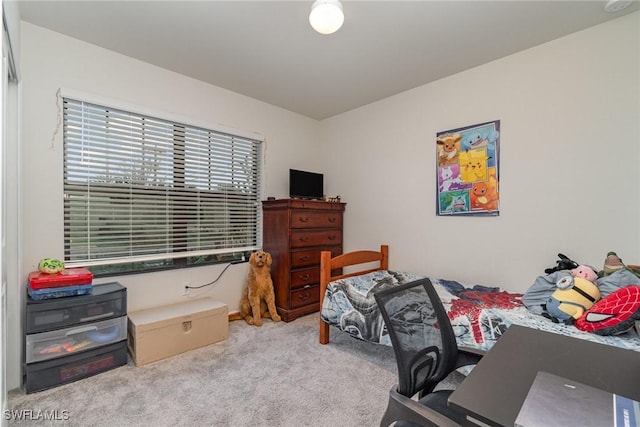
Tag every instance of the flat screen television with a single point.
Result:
(305, 185)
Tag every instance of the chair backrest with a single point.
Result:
(421, 335)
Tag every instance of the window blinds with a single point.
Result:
(139, 188)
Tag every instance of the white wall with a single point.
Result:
(570, 144)
(51, 61)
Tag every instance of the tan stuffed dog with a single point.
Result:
(258, 298)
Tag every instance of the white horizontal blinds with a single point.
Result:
(141, 188)
(223, 171)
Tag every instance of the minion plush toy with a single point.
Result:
(575, 294)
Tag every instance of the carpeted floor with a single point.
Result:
(276, 375)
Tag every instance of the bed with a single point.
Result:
(479, 314)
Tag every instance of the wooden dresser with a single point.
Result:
(294, 233)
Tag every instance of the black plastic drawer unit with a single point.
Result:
(106, 302)
(71, 338)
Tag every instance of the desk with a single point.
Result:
(496, 388)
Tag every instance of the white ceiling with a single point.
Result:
(268, 51)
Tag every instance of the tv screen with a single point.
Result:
(306, 185)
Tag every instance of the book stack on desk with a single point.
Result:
(556, 401)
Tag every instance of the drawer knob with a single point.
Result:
(303, 257)
(304, 239)
(99, 316)
(81, 330)
(332, 219)
(304, 277)
(332, 237)
(304, 296)
(305, 219)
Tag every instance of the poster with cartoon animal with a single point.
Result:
(468, 179)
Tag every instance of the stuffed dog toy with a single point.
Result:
(258, 298)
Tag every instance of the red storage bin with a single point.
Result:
(67, 277)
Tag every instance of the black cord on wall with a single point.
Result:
(238, 261)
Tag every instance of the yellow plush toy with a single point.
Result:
(575, 294)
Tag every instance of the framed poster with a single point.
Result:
(468, 170)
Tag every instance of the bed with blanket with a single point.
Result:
(479, 314)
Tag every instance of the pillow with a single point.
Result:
(614, 314)
(538, 294)
(615, 281)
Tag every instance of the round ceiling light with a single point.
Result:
(326, 16)
(614, 6)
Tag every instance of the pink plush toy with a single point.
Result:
(585, 272)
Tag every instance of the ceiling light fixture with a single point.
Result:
(614, 6)
(326, 16)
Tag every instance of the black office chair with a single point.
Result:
(426, 353)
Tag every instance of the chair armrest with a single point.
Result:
(419, 413)
(472, 350)
(468, 357)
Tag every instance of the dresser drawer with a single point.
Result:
(301, 218)
(301, 258)
(62, 342)
(308, 238)
(306, 276)
(305, 296)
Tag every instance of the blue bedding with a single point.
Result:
(479, 314)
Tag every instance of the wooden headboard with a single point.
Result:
(329, 265)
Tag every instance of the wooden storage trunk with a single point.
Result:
(166, 331)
